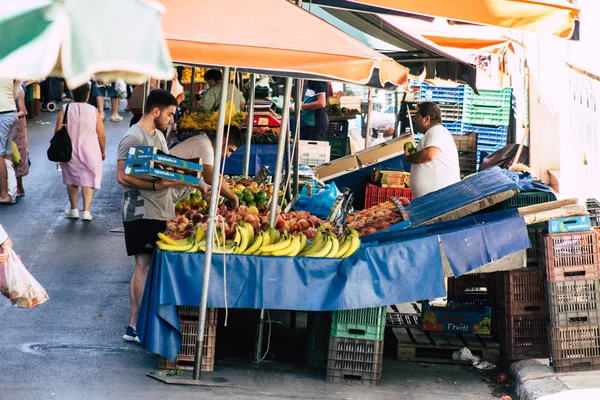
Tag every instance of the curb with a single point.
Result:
(534, 378)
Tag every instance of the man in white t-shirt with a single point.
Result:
(435, 164)
(201, 146)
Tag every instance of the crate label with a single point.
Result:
(477, 322)
(570, 224)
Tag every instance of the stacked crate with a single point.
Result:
(593, 207)
(356, 346)
(337, 136)
(573, 267)
(317, 338)
(466, 145)
(521, 314)
(188, 321)
(487, 113)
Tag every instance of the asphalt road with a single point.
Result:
(71, 346)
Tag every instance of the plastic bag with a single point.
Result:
(317, 201)
(12, 181)
(18, 285)
(121, 89)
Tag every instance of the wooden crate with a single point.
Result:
(438, 347)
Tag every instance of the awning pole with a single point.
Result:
(212, 212)
(369, 111)
(250, 124)
(396, 116)
(285, 118)
(298, 103)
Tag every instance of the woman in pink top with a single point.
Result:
(86, 131)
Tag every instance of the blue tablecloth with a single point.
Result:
(392, 269)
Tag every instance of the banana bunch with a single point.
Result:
(191, 244)
(326, 244)
(273, 243)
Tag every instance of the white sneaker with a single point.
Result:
(74, 213)
(86, 216)
(116, 118)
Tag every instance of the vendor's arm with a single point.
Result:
(207, 173)
(5, 244)
(321, 102)
(426, 155)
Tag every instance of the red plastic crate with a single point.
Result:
(376, 195)
(572, 256)
(522, 292)
(523, 336)
(188, 320)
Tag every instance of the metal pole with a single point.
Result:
(146, 93)
(250, 124)
(192, 82)
(212, 212)
(298, 97)
(396, 116)
(369, 111)
(285, 117)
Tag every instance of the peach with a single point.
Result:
(189, 214)
(189, 227)
(303, 214)
(280, 224)
(230, 218)
(183, 220)
(304, 225)
(181, 227)
(264, 226)
(243, 210)
(250, 218)
(187, 234)
(254, 224)
(197, 218)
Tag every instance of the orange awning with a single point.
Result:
(272, 36)
(556, 17)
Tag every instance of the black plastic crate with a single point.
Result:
(536, 254)
(593, 207)
(338, 129)
(523, 336)
(317, 339)
(355, 360)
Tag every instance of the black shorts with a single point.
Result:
(140, 235)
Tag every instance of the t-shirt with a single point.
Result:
(209, 102)
(198, 146)
(317, 118)
(7, 95)
(3, 235)
(139, 203)
(439, 173)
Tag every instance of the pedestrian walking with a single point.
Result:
(84, 171)
(19, 136)
(8, 119)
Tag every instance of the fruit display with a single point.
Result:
(186, 75)
(266, 241)
(201, 122)
(265, 135)
(336, 110)
(376, 218)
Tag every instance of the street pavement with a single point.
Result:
(71, 346)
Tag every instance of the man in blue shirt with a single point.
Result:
(313, 118)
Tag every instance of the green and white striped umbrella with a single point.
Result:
(76, 39)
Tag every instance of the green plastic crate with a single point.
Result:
(482, 115)
(338, 147)
(317, 343)
(489, 98)
(525, 199)
(362, 323)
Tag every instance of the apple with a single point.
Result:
(280, 224)
(295, 227)
(197, 218)
(189, 214)
(189, 227)
(264, 226)
(183, 220)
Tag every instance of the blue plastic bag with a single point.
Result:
(525, 182)
(320, 201)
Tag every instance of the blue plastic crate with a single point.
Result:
(455, 128)
(489, 98)
(487, 149)
(442, 94)
(488, 135)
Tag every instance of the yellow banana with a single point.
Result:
(256, 245)
(316, 239)
(355, 244)
(282, 244)
(274, 234)
(238, 236)
(228, 249)
(335, 246)
(250, 231)
(195, 247)
(344, 246)
(245, 240)
(302, 242)
(316, 243)
(266, 238)
(294, 245)
(198, 234)
(167, 240)
(323, 251)
(175, 248)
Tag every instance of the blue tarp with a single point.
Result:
(453, 197)
(388, 270)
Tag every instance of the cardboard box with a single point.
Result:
(149, 153)
(383, 151)
(460, 319)
(338, 167)
(150, 170)
(570, 224)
